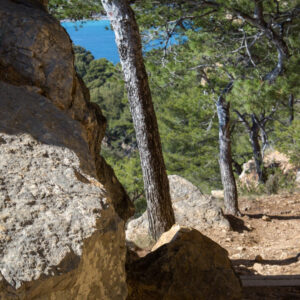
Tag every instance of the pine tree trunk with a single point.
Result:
(254, 138)
(291, 108)
(264, 142)
(225, 158)
(156, 184)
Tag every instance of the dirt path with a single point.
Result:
(263, 244)
(265, 241)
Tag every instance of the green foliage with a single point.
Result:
(128, 170)
(254, 95)
(272, 184)
(277, 182)
(288, 140)
(186, 80)
(99, 72)
(74, 9)
(201, 65)
(187, 120)
(106, 86)
(83, 59)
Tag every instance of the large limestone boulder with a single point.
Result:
(36, 53)
(62, 208)
(183, 265)
(191, 209)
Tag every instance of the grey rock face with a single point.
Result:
(61, 206)
(36, 52)
(191, 209)
(47, 207)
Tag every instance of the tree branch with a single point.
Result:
(259, 22)
(243, 119)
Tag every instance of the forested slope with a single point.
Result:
(187, 120)
(246, 52)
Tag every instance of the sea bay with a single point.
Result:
(95, 36)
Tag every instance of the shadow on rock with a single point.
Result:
(185, 265)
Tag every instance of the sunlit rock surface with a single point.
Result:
(191, 208)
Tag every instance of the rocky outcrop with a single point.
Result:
(272, 160)
(60, 235)
(191, 208)
(36, 52)
(184, 265)
(218, 194)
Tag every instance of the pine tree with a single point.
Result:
(159, 206)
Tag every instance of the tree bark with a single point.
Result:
(291, 108)
(264, 141)
(225, 158)
(253, 130)
(156, 184)
(258, 159)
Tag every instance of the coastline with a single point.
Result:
(97, 17)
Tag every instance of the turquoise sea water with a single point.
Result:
(95, 36)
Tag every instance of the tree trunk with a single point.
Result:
(156, 184)
(264, 140)
(225, 158)
(291, 108)
(254, 138)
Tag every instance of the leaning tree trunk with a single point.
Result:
(156, 184)
(225, 158)
(258, 159)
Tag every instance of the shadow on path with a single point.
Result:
(259, 216)
(237, 224)
(273, 262)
